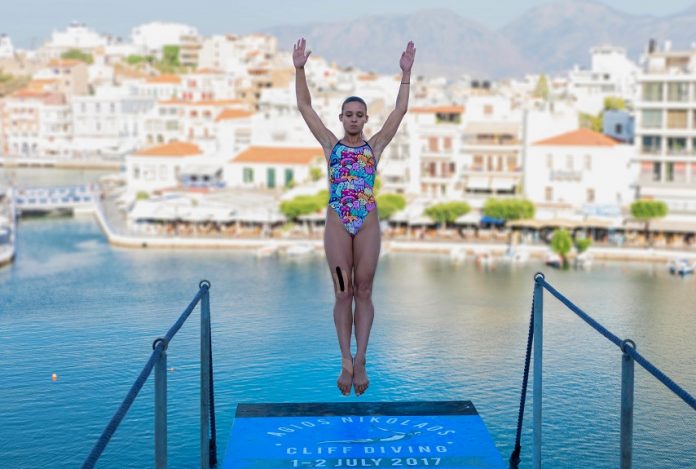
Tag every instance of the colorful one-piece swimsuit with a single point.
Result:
(351, 183)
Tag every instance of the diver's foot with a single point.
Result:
(360, 381)
(345, 379)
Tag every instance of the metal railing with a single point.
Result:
(158, 361)
(628, 357)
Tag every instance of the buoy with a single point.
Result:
(54, 377)
(171, 369)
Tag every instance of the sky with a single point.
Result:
(29, 23)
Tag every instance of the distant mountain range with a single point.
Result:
(549, 38)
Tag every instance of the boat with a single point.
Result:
(583, 260)
(458, 255)
(516, 256)
(300, 249)
(267, 250)
(553, 260)
(681, 267)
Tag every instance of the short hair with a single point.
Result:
(353, 99)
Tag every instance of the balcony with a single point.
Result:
(568, 175)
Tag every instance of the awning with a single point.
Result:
(528, 223)
(486, 220)
(478, 182)
(504, 184)
(559, 223)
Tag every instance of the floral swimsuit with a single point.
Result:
(351, 184)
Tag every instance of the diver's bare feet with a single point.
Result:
(345, 379)
(360, 381)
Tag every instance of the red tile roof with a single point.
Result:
(579, 138)
(438, 110)
(174, 148)
(279, 155)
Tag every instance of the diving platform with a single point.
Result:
(444, 434)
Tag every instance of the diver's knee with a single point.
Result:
(363, 290)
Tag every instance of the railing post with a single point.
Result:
(161, 406)
(538, 348)
(627, 405)
(205, 377)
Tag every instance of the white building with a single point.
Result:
(159, 167)
(6, 48)
(579, 171)
(150, 38)
(611, 74)
(109, 122)
(273, 167)
(666, 130)
(76, 36)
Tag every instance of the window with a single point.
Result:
(248, 175)
(656, 171)
(618, 129)
(676, 145)
(652, 91)
(488, 109)
(432, 143)
(652, 119)
(549, 161)
(163, 172)
(678, 91)
(588, 162)
(590, 196)
(569, 162)
(652, 144)
(669, 172)
(289, 176)
(270, 178)
(136, 171)
(448, 143)
(548, 194)
(676, 119)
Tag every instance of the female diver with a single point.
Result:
(352, 234)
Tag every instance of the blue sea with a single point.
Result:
(75, 306)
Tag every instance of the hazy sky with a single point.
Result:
(30, 22)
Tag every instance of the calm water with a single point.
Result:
(75, 306)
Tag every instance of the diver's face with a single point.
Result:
(353, 117)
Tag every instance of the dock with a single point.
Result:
(445, 434)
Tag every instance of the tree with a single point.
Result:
(304, 204)
(509, 209)
(561, 244)
(77, 54)
(614, 103)
(645, 210)
(588, 121)
(388, 204)
(315, 174)
(137, 59)
(542, 88)
(447, 212)
(170, 55)
(581, 245)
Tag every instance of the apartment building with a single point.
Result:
(666, 129)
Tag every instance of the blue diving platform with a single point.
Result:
(444, 434)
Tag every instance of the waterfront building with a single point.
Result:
(232, 54)
(234, 129)
(108, 122)
(6, 47)
(159, 167)
(580, 172)
(666, 130)
(273, 167)
(35, 123)
(150, 38)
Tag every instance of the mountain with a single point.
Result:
(558, 35)
(550, 38)
(446, 44)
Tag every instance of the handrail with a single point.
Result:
(628, 356)
(158, 360)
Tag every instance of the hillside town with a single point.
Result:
(208, 139)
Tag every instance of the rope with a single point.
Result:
(213, 432)
(515, 456)
(105, 437)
